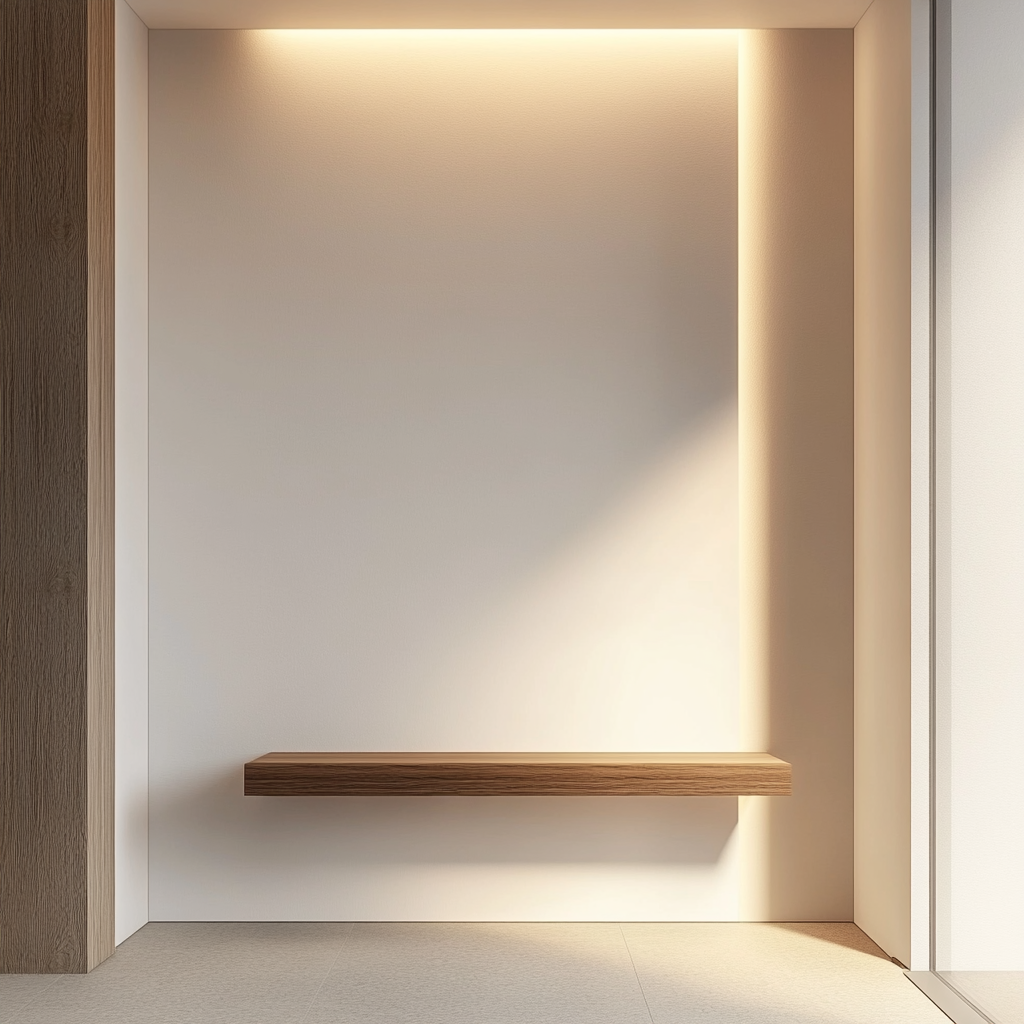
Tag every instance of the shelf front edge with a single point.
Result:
(340, 774)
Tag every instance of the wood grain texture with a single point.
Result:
(50, 721)
(497, 774)
(100, 682)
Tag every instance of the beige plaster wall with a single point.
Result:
(796, 462)
(882, 520)
(443, 456)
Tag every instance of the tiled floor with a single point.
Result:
(480, 973)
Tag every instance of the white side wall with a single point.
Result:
(444, 456)
(882, 488)
(892, 492)
(981, 901)
(131, 453)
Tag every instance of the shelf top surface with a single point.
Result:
(742, 759)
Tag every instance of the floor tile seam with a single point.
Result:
(636, 974)
(329, 972)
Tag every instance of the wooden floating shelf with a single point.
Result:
(302, 774)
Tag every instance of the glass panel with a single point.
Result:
(979, 780)
(999, 995)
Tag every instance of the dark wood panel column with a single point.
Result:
(56, 485)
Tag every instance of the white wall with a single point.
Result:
(981, 898)
(131, 454)
(892, 561)
(882, 517)
(443, 440)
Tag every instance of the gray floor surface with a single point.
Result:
(480, 973)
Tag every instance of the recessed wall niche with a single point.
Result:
(444, 456)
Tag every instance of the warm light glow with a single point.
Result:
(489, 38)
(541, 84)
(505, 33)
